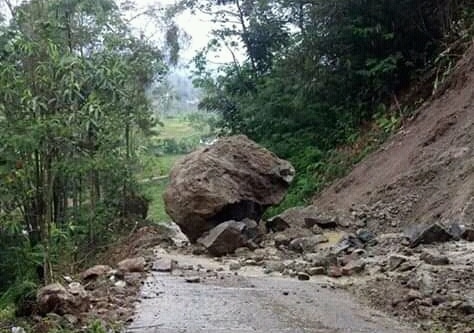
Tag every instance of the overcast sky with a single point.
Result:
(197, 27)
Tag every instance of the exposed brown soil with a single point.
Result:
(422, 174)
(425, 172)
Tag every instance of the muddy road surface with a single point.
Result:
(203, 296)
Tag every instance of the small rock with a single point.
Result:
(434, 258)
(406, 266)
(276, 224)
(321, 221)
(302, 276)
(316, 270)
(468, 234)
(286, 293)
(17, 329)
(395, 260)
(315, 229)
(334, 271)
(71, 319)
(193, 279)
(467, 307)
(234, 266)
(241, 251)
(274, 266)
(413, 295)
(132, 265)
(120, 284)
(250, 262)
(163, 265)
(320, 259)
(365, 235)
(306, 244)
(198, 249)
(427, 234)
(353, 267)
(95, 272)
(281, 239)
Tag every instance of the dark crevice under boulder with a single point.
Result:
(232, 179)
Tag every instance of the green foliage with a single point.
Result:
(73, 115)
(308, 90)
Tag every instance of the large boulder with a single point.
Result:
(232, 179)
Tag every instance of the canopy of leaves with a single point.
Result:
(73, 81)
(316, 70)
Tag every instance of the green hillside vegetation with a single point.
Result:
(321, 84)
(319, 75)
(175, 137)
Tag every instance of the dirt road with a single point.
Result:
(249, 302)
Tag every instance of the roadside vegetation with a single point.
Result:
(324, 82)
(321, 84)
(176, 136)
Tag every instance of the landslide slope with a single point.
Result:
(423, 173)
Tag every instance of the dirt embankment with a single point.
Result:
(425, 172)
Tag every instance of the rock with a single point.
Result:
(193, 279)
(321, 259)
(334, 271)
(281, 239)
(461, 231)
(295, 216)
(276, 224)
(467, 307)
(395, 260)
(252, 232)
(17, 329)
(434, 258)
(306, 244)
(225, 238)
(468, 234)
(427, 234)
(232, 179)
(198, 249)
(406, 266)
(365, 236)
(115, 274)
(120, 284)
(302, 276)
(54, 298)
(234, 266)
(321, 221)
(95, 272)
(353, 267)
(76, 289)
(348, 243)
(132, 265)
(274, 266)
(413, 295)
(319, 270)
(242, 251)
(163, 265)
(315, 229)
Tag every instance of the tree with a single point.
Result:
(315, 71)
(73, 81)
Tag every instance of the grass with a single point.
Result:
(178, 128)
(154, 188)
(156, 167)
